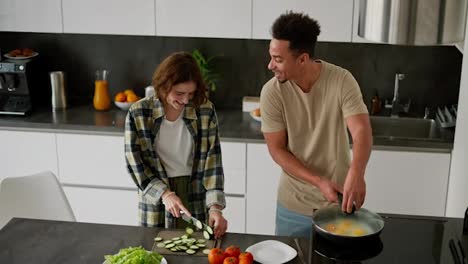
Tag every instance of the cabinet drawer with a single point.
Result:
(235, 214)
(24, 153)
(234, 167)
(92, 160)
(105, 206)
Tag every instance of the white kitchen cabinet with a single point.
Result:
(31, 16)
(263, 176)
(109, 17)
(106, 206)
(235, 214)
(204, 18)
(412, 183)
(25, 153)
(233, 155)
(334, 16)
(93, 160)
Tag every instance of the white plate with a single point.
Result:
(257, 118)
(272, 252)
(163, 261)
(21, 58)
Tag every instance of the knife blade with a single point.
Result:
(191, 220)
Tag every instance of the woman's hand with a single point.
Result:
(173, 204)
(217, 221)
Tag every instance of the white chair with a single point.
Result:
(38, 196)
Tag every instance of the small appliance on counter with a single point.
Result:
(15, 81)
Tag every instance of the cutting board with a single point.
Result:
(169, 234)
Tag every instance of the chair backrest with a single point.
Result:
(38, 196)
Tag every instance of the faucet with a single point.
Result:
(396, 106)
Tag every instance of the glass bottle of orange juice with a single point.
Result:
(101, 100)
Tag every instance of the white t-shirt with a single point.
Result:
(174, 145)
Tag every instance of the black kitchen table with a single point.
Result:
(43, 241)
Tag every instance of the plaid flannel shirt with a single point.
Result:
(144, 165)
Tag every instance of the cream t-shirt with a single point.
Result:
(316, 130)
(174, 145)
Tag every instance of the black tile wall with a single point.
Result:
(432, 73)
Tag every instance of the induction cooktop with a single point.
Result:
(404, 239)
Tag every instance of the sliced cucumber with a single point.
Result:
(169, 245)
(200, 245)
(188, 230)
(157, 239)
(194, 247)
(209, 229)
(160, 245)
(185, 236)
(183, 248)
(201, 241)
(175, 238)
(167, 242)
(190, 251)
(174, 249)
(206, 251)
(206, 235)
(198, 224)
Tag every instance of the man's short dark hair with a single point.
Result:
(299, 29)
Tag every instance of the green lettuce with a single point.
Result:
(134, 255)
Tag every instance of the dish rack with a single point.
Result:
(447, 116)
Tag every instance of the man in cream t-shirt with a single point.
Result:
(306, 110)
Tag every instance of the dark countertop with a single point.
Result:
(46, 241)
(42, 241)
(235, 126)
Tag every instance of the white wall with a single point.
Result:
(457, 198)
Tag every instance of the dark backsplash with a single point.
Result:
(432, 73)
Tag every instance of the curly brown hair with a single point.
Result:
(299, 29)
(179, 67)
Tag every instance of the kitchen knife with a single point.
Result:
(192, 220)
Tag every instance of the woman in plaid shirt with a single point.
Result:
(172, 149)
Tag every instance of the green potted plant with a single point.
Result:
(206, 67)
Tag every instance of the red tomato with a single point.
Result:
(231, 260)
(246, 258)
(232, 251)
(216, 256)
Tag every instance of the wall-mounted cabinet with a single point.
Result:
(31, 16)
(334, 16)
(204, 18)
(109, 17)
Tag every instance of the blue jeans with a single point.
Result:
(289, 223)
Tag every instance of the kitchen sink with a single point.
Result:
(411, 128)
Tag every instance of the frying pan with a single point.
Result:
(335, 225)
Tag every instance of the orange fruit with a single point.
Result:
(132, 97)
(256, 112)
(120, 97)
(129, 91)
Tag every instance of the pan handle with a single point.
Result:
(340, 201)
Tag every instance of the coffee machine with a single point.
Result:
(15, 81)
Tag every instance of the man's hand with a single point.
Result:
(354, 191)
(173, 204)
(329, 190)
(219, 223)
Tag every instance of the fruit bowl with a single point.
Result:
(123, 105)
